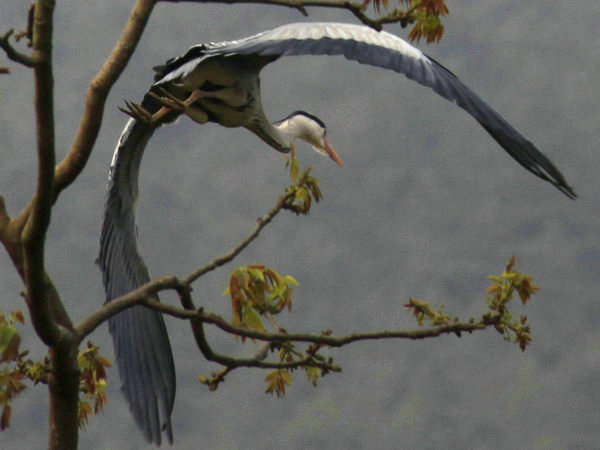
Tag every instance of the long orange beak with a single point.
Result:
(331, 152)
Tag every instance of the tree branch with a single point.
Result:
(42, 299)
(33, 235)
(74, 162)
(309, 357)
(24, 237)
(13, 54)
(218, 377)
(339, 341)
(404, 17)
(261, 222)
(258, 360)
(135, 297)
(141, 296)
(182, 286)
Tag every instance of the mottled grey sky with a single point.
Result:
(427, 205)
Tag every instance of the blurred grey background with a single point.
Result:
(427, 205)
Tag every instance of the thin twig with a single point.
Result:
(135, 297)
(13, 54)
(324, 338)
(182, 286)
(274, 323)
(261, 223)
(339, 341)
(403, 17)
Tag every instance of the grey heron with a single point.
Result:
(219, 82)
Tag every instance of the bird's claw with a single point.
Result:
(138, 112)
(171, 107)
(168, 100)
(167, 94)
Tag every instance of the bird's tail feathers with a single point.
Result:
(140, 338)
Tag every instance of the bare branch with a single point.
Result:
(260, 224)
(404, 17)
(13, 54)
(100, 86)
(135, 297)
(27, 245)
(10, 233)
(27, 33)
(183, 287)
(339, 341)
(217, 378)
(274, 323)
(33, 235)
(201, 317)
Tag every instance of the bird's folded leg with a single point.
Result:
(168, 100)
(170, 104)
(189, 106)
(138, 112)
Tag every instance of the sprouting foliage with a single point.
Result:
(256, 290)
(10, 373)
(423, 311)
(500, 293)
(425, 14)
(277, 380)
(304, 188)
(15, 368)
(92, 382)
(429, 25)
(302, 193)
(259, 292)
(503, 286)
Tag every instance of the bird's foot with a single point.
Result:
(171, 106)
(137, 111)
(168, 100)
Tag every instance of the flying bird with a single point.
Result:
(219, 82)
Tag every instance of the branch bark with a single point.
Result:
(199, 317)
(75, 160)
(12, 53)
(404, 17)
(64, 377)
(24, 236)
(33, 235)
(325, 339)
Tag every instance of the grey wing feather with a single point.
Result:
(140, 339)
(381, 49)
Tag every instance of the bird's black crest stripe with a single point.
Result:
(306, 114)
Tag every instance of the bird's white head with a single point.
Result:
(309, 128)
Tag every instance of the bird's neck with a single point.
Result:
(277, 135)
(287, 131)
(285, 135)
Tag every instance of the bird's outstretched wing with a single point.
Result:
(381, 49)
(140, 339)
